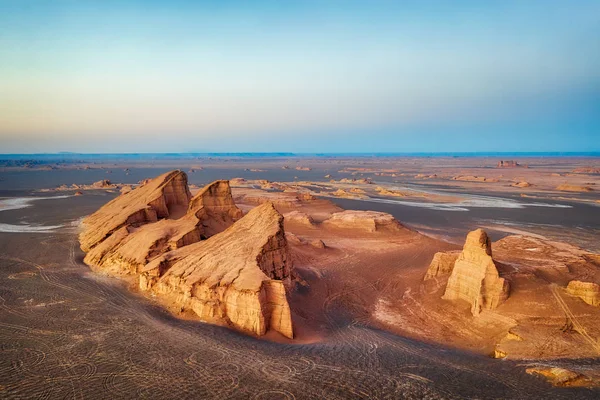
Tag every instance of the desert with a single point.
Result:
(377, 286)
(288, 200)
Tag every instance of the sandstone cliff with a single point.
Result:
(238, 276)
(587, 291)
(474, 277)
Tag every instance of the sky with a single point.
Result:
(299, 76)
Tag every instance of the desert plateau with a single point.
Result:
(197, 276)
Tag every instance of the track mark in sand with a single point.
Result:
(576, 324)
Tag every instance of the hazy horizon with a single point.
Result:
(300, 77)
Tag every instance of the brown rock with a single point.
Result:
(369, 221)
(298, 217)
(559, 376)
(521, 184)
(475, 278)
(573, 188)
(237, 276)
(104, 183)
(442, 264)
(587, 291)
(160, 198)
(210, 211)
(508, 164)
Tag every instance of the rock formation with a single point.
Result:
(559, 376)
(210, 211)
(369, 221)
(238, 276)
(299, 217)
(159, 198)
(474, 277)
(507, 164)
(573, 188)
(587, 291)
(442, 264)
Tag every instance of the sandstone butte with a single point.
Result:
(236, 276)
(474, 277)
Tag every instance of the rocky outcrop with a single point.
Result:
(300, 218)
(587, 291)
(475, 278)
(238, 276)
(508, 164)
(442, 264)
(210, 211)
(521, 184)
(573, 188)
(367, 221)
(559, 376)
(162, 197)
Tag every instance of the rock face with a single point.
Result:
(475, 278)
(442, 264)
(210, 211)
(238, 276)
(587, 291)
(157, 232)
(162, 197)
(368, 221)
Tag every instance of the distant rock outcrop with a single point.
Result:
(369, 221)
(508, 164)
(573, 188)
(158, 232)
(587, 291)
(475, 278)
(238, 276)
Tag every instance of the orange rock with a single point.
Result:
(442, 264)
(587, 291)
(238, 276)
(475, 278)
(369, 221)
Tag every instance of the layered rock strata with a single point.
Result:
(475, 278)
(239, 275)
(190, 252)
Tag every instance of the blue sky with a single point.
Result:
(309, 76)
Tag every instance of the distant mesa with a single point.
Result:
(473, 277)
(508, 164)
(365, 221)
(196, 253)
(303, 168)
